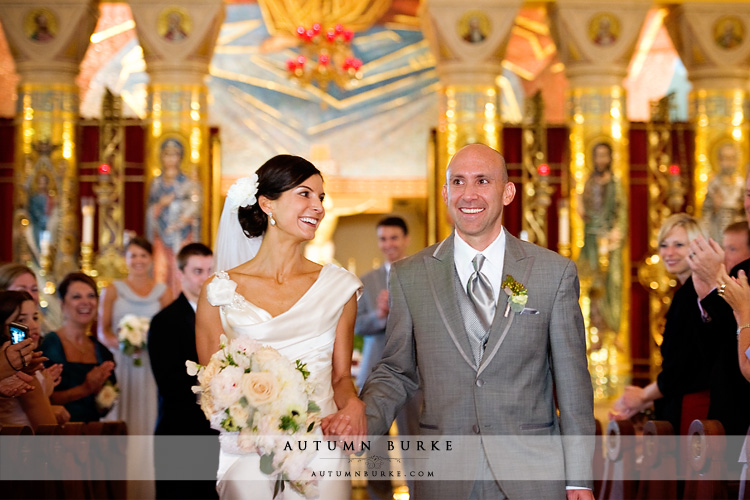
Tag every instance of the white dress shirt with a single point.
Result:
(494, 255)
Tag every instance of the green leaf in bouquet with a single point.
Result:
(302, 367)
(137, 362)
(311, 427)
(266, 463)
(230, 360)
(278, 486)
(312, 407)
(288, 423)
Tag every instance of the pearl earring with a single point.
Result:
(271, 219)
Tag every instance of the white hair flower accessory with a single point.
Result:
(242, 193)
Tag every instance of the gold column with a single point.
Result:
(178, 43)
(469, 45)
(536, 191)
(110, 191)
(48, 43)
(712, 40)
(595, 42)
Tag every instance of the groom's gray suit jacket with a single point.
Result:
(531, 362)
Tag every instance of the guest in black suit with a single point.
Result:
(171, 342)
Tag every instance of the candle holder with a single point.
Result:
(87, 235)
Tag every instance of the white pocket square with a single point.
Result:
(528, 310)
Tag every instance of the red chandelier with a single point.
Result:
(326, 57)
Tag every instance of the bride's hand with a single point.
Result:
(349, 423)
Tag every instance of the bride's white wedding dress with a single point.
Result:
(306, 332)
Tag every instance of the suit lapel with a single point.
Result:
(518, 265)
(440, 273)
(188, 319)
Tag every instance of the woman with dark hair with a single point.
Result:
(22, 278)
(87, 364)
(32, 408)
(17, 277)
(268, 291)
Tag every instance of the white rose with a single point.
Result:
(265, 359)
(225, 387)
(240, 415)
(259, 388)
(209, 372)
(106, 396)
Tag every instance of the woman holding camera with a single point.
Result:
(18, 310)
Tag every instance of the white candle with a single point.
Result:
(87, 237)
(564, 225)
(44, 243)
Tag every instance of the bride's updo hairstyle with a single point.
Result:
(280, 173)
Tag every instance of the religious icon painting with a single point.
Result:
(41, 25)
(174, 24)
(174, 206)
(729, 32)
(604, 29)
(474, 26)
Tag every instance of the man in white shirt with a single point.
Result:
(490, 328)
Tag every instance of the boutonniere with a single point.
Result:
(517, 293)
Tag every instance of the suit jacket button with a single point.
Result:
(480, 382)
(475, 428)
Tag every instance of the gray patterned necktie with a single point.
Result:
(480, 292)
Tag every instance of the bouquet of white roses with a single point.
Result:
(107, 397)
(262, 401)
(132, 332)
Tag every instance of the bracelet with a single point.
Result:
(742, 327)
(8, 360)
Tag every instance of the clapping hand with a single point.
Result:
(52, 377)
(705, 259)
(98, 375)
(736, 291)
(15, 385)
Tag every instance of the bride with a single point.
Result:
(265, 289)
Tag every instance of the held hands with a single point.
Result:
(580, 495)
(97, 376)
(347, 424)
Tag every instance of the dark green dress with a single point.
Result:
(74, 374)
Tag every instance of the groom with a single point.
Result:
(485, 369)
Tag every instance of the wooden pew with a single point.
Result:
(619, 466)
(15, 461)
(706, 470)
(658, 475)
